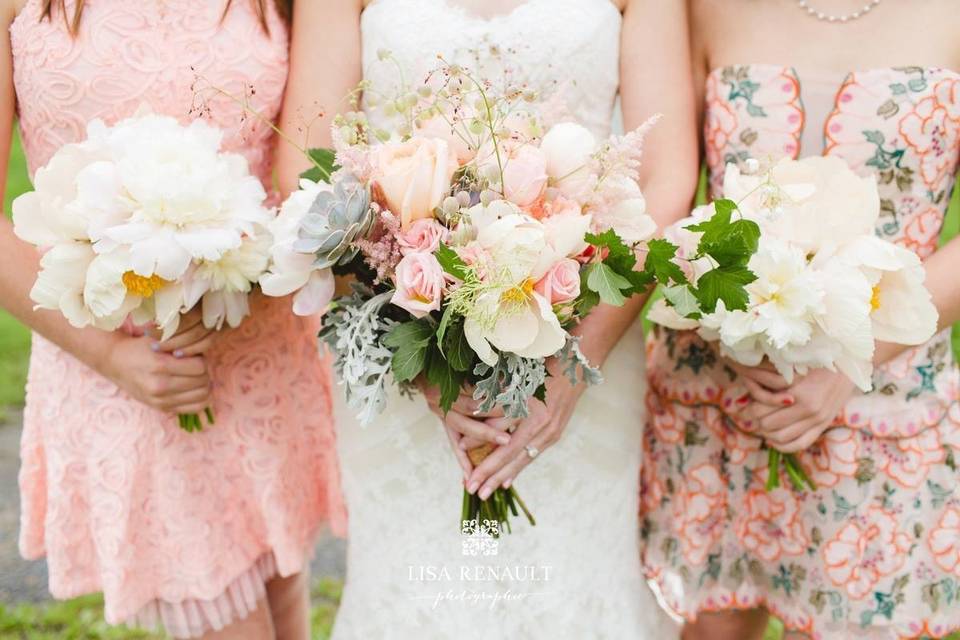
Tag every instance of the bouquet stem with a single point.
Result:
(191, 422)
(501, 504)
(791, 466)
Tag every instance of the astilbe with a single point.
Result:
(618, 165)
(382, 251)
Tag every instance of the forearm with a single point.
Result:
(19, 263)
(944, 286)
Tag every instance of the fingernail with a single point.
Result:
(744, 399)
(473, 487)
(788, 402)
(485, 493)
(507, 483)
(503, 439)
(178, 353)
(747, 425)
(155, 346)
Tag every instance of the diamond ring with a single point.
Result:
(532, 451)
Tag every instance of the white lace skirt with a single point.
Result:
(577, 574)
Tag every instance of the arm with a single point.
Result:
(179, 385)
(325, 66)
(655, 78)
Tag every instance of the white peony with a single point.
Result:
(629, 220)
(568, 148)
(293, 272)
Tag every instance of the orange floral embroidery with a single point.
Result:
(833, 457)
(908, 460)
(864, 551)
(769, 524)
(699, 512)
(934, 119)
(924, 222)
(944, 541)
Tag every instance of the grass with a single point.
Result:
(82, 619)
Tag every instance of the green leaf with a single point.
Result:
(413, 332)
(724, 283)
(409, 342)
(440, 374)
(324, 164)
(456, 348)
(659, 262)
(451, 262)
(682, 299)
(737, 245)
(622, 259)
(587, 299)
(607, 283)
(611, 241)
(541, 393)
(444, 323)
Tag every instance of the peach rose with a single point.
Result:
(440, 128)
(419, 281)
(423, 235)
(524, 176)
(414, 176)
(561, 283)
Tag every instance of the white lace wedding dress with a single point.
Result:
(576, 575)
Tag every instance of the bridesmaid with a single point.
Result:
(208, 534)
(875, 551)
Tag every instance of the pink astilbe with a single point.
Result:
(382, 251)
(618, 167)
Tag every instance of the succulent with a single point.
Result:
(336, 219)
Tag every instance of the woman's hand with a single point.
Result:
(536, 433)
(792, 417)
(176, 385)
(465, 427)
(191, 339)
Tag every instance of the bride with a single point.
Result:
(576, 574)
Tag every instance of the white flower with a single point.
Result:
(629, 220)
(183, 199)
(530, 329)
(293, 272)
(663, 314)
(59, 285)
(568, 148)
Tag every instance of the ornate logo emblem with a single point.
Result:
(480, 537)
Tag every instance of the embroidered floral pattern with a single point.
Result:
(878, 544)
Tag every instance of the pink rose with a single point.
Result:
(440, 127)
(524, 175)
(419, 281)
(415, 176)
(561, 284)
(423, 235)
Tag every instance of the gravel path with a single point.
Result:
(22, 581)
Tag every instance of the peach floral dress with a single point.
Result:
(875, 551)
(176, 529)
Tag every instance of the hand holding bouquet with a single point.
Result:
(826, 288)
(479, 235)
(144, 220)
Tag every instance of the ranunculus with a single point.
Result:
(423, 235)
(567, 148)
(524, 175)
(562, 282)
(415, 176)
(419, 280)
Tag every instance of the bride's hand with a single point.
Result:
(466, 429)
(541, 429)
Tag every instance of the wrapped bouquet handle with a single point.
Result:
(501, 504)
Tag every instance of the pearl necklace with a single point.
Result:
(826, 17)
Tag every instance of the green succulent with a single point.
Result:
(335, 220)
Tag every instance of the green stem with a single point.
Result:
(773, 470)
(793, 464)
(523, 507)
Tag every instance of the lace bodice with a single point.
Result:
(170, 54)
(567, 45)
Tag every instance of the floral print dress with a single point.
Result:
(875, 551)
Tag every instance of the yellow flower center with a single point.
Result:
(519, 294)
(141, 285)
(875, 298)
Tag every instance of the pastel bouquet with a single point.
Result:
(826, 288)
(479, 235)
(144, 220)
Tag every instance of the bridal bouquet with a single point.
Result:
(826, 287)
(144, 220)
(479, 235)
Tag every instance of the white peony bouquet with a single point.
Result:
(826, 289)
(144, 220)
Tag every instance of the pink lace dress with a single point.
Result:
(875, 551)
(176, 529)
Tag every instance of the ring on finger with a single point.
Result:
(532, 451)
